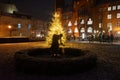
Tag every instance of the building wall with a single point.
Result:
(82, 10)
(20, 27)
(86, 9)
(103, 11)
(14, 23)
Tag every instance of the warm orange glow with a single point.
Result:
(56, 15)
(9, 26)
(76, 30)
(56, 28)
(118, 32)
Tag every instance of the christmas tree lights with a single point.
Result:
(56, 28)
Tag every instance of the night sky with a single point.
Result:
(41, 9)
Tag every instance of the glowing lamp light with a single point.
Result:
(9, 27)
(118, 32)
(103, 31)
(100, 25)
(38, 35)
(95, 31)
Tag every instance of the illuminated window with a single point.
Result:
(75, 23)
(109, 16)
(83, 35)
(76, 30)
(82, 30)
(19, 25)
(90, 22)
(118, 15)
(69, 30)
(118, 32)
(82, 22)
(100, 25)
(29, 26)
(109, 26)
(69, 23)
(109, 8)
(103, 31)
(95, 31)
(118, 7)
(90, 30)
(114, 8)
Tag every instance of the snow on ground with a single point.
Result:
(108, 64)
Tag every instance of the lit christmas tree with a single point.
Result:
(56, 28)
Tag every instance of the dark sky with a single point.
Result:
(37, 8)
(41, 9)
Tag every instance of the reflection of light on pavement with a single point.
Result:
(27, 44)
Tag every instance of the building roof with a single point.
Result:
(8, 8)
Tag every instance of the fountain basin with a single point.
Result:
(41, 60)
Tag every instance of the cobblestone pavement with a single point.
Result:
(108, 64)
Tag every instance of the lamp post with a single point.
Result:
(9, 27)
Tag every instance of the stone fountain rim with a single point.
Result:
(25, 56)
(23, 62)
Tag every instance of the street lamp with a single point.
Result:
(9, 27)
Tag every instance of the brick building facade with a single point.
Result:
(93, 18)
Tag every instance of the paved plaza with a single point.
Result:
(108, 63)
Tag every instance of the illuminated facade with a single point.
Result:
(91, 17)
(107, 18)
(78, 20)
(16, 24)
